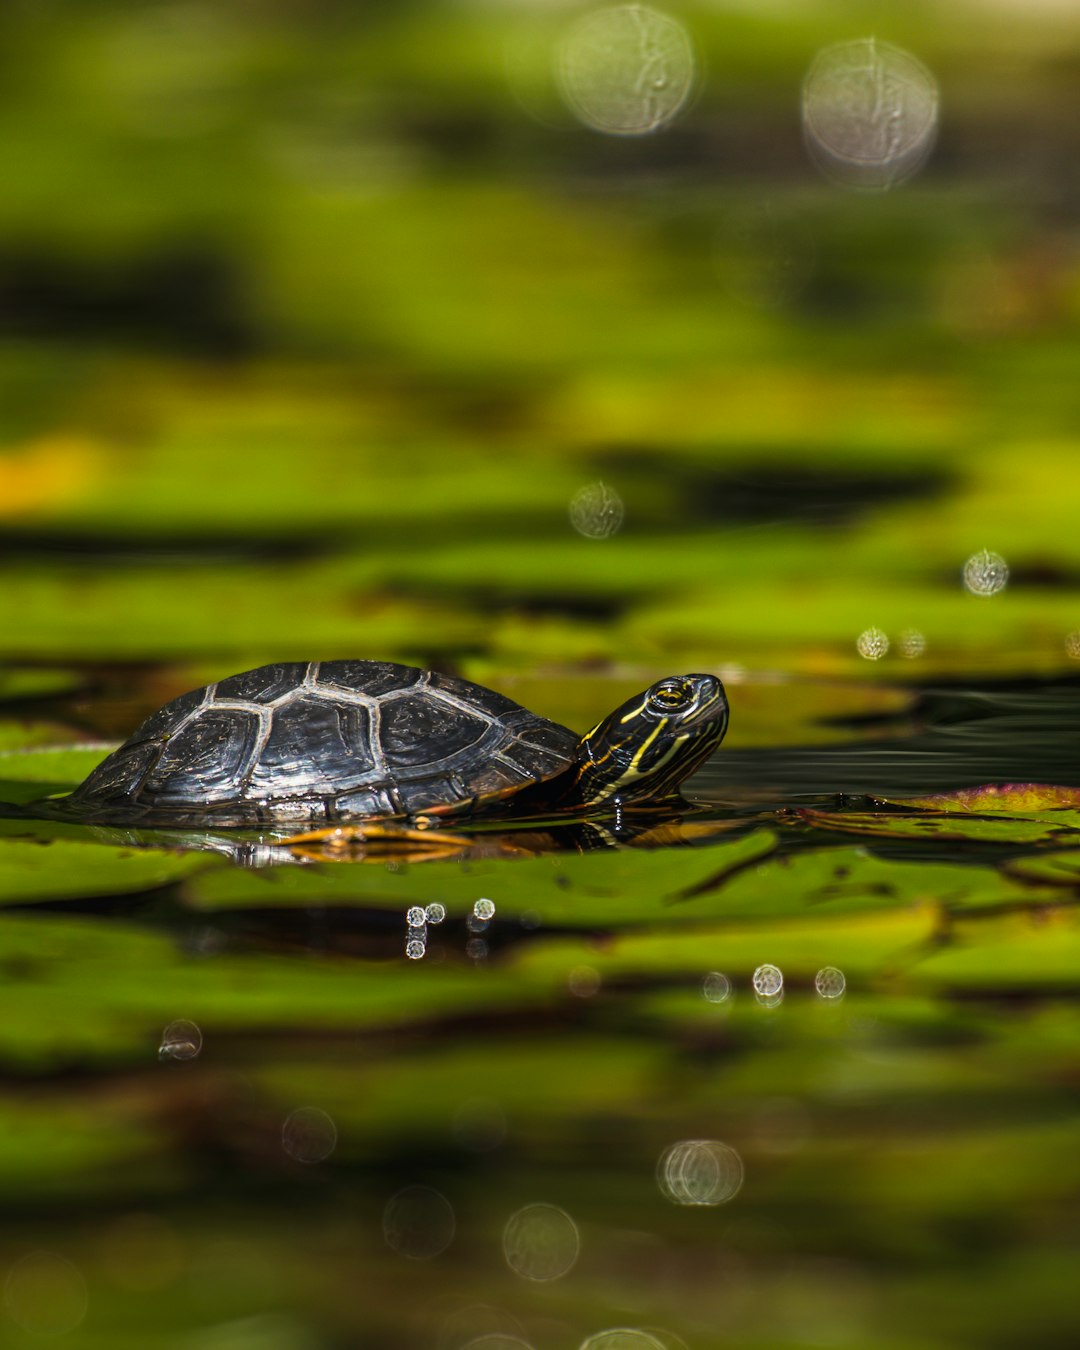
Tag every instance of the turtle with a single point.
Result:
(306, 744)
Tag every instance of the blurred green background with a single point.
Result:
(315, 317)
(320, 325)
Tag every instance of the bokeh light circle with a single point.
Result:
(45, 1294)
(309, 1135)
(872, 644)
(768, 981)
(627, 70)
(541, 1243)
(699, 1172)
(419, 1223)
(869, 113)
(622, 1338)
(986, 573)
(716, 987)
(597, 511)
(830, 982)
(181, 1039)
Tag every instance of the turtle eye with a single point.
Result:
(670, 696)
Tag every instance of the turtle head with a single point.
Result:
(644, 750)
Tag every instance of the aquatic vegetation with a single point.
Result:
(531, 346)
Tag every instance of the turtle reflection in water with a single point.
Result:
(375, 750)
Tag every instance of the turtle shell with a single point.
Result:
(324, 741)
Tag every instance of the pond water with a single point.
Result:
(803, 1076)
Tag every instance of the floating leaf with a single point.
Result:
(60, 869)
(613, 889)
(28, 682)
(48, 764)
(944, 827)
(1017, 799)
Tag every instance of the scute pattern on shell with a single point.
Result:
(324, 742)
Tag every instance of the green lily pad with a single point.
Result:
(1014, 955)
(92, 992)
(61, 869)
(1051, 869)
(30, 774)
(23, 682)
(867, 947)
(47, 764)
(195, 612)
(607, 889)
(16, 736)
(946, 827)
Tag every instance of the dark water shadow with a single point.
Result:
(961, 737)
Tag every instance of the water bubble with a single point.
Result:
(716, 987)
(480, 1124)
(872, 644)
(830, 983)
(309, 1135)
(627, 70)
(541, 1243)
(476, 949)
(418, 1222)
(869, 113)
(912, 644)
(484, 909)
(435, 913)
(768, 981)
(416, 932)
(45, 1294)
(596, 511)
(622, 1338)
(986, 573)
(699, 1172)
(180, 1040)
(583, 981)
